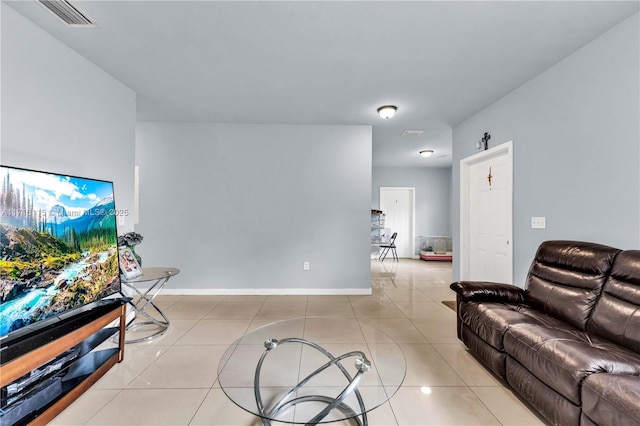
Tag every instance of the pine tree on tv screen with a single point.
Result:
(58, 245)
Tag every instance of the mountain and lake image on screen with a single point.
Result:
(58, 245)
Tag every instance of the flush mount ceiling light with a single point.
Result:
(426, 153)
(387, 111)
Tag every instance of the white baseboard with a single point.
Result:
(265, 291)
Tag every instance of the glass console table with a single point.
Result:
(312, 370)
(147, 313)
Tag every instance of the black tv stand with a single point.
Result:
(76, 333)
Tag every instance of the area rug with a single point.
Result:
(450, 304)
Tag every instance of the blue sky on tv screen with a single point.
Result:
(75, 194)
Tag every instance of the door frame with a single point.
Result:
(412, 231)
(505, 149)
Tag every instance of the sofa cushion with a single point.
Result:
(563, 357)
(586, 421)
(566, 278)
(490, 320)
(616, 315)
(612, 399)
(494, 359)
(556, 409)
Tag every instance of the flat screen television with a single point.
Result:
(58, 246)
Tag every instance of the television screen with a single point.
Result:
(58, 245)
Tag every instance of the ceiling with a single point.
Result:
(331, 62)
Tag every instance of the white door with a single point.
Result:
(397, 204)
(486, 213)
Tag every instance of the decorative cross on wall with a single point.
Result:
(485, 140)
(489, 177)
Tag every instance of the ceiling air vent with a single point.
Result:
(68, 13)
(412, 132)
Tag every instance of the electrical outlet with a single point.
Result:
(305, 266)
(539, 222)
(121, 220)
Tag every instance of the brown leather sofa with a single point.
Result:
(569, 342)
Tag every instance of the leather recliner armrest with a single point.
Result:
(488, 291)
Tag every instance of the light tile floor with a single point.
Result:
(172, 379)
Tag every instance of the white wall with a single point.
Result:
(61, 113)
(433, 196)
(239, 208)
(576, 138)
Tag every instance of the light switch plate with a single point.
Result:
(539, 222)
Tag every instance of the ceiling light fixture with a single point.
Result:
(387, 111)
(426, 153)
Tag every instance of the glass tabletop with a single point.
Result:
(154, 273)
(312, 370)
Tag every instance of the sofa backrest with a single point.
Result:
(616, 315)
(566, 278)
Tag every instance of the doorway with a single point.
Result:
(398, 205)
(486, 215)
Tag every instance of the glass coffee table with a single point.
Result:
(312, 371)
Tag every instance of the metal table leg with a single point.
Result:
(144, 308)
